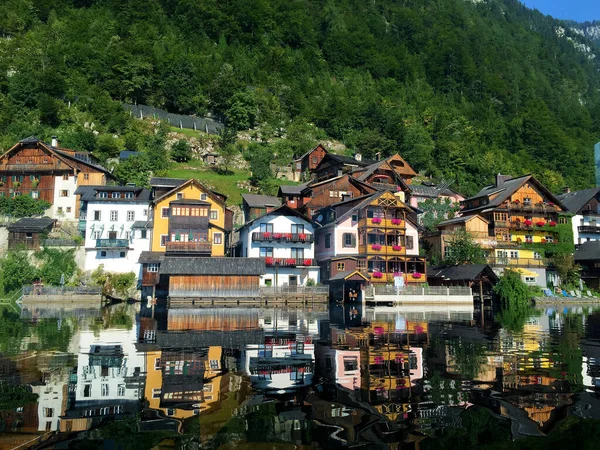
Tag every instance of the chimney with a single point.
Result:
(500, 179)
(358, 157)
(54, 141)
(566, 190)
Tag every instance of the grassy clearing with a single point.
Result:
(186, 131)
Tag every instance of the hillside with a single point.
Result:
(462, 89)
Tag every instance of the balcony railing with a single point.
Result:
(538, 207)
(189, 247)
(282, 237)
(516, 262)
(112, 243)
(290, 262)
(590, 212)
(376, 249)
(589, 229)
(389, 277)
(380, 222)
(272, 291)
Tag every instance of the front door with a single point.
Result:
(293, 282)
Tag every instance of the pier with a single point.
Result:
(389, 294)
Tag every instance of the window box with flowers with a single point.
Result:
(376, 220)
(417, 275)
(267, 235)
(552, 224)
(376, 247)
(544, 241)
(377, 274)
(396, 222)
(397, 248)
(269, 261)
(307, 262)
(528, 223)
(276, 236)
(288, 236)
(397, 274)
(516, 202)
(540, 223)
(302, 237)
(290, 262)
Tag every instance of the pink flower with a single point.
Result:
(307, 262)
(376, 220)
(376, 247)
(396, 221)
(540, 223)
(377, 274)
(416, 275)
(397, 248)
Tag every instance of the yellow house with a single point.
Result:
(190, 219)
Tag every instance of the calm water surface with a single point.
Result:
(270, 378)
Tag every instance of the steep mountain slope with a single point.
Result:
(462, 90)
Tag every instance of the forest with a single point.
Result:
(461, 89)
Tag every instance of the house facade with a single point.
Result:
(189, 219)
(113, 222)
(522, 216)
(475, 225)
(585, 207)
(375, 234)
(255, 205)
(392, 173)
(47, 172)
(285, 239)
(308, 162)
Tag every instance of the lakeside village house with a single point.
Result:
(353, 219)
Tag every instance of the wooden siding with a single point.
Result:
(212, 285)
(20, 240)
(229, 321)
(321, 195)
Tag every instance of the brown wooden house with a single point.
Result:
(392, 173)
(48, 172)
(28, 233)
(308, 162)
(336, 165)
(255, 205)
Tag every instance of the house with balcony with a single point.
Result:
(393, 174)
(478, 228)
(585, 207)
(114, 222)
(51, 173)
(375, 234)
(285, 239)
(523, 216)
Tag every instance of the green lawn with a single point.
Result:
(187, 131)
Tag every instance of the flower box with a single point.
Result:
(376, 247)
(396, 221)
(416, 275)
(397, 248)
(516, 202)
(397, 274)
(377, 275)
(540, 223)
(376, 220)
(528, 223)
(267, 235)
(290, 262)
(307, 262)
(269, 261)
(288, 236)
(552, 224)
(302, 236)
(276, 235)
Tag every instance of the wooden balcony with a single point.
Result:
(382, 250)
(112, 243)
(390, 224)
(290, 262)
(516, 262)
(389, 278)
(529, 207)
(189, 247)
(304, 238)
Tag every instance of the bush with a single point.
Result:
(56, 263)
(181, 151)
(113, 284)
(16, 271)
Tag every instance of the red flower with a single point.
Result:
(528, 222)
(552, 224)
(288, 236)
(302, 236)
(290, 262)
(544, 241)
(276, 235)
(267, 235)
(307, 262)
(376, 247)
(269, 261)
(397, 248)
(540, 223)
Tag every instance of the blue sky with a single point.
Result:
(580, 10)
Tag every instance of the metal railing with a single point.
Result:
(272, 291)
(62, 290)
(418, 290)
(289, 262)
(517, 262)
(112, 243)
(588, 229)
(282, 237)
(189, 247)
(60, 243)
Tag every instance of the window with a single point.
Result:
(129, 195)
(562, 220)
(114, 216)
(121, 390)
(49, 426)
(96, 234)
(127, 235)
(122, 255)
(529, 279)
(266, 252)
(514, 254)
(214, 364)
(116, 195)
(97, 215)
(103, 254)
(203, 196)
(145, 213)
(409, 242)
(152, 267)
(63, 193)
(349, 240)
(86, 176)
(297, 253)
(549, 238)
(130, 216)
(354, 217)
(214, 215)
(68, 209)
(143, 234)
(170, 411)
(350, 364)
(217, 238)
(104, 390)
(537, 255)
(529, 238)
(180, 196)
(266, 227)
(156, 392)
(35, 194)
(59, 210)
(66, 177)
(87, 389)
(102, 194)
(163, 240)
(297, 229)
(314, 159)
(527, 201)
(48, 412)
(341, 267)
(165, 212)
(328, 240)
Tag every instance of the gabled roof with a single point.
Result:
(289, 189)
(260, 201)
(465, 272)
(575, 201)
(348, 274)
(151, 257)
(370, 169)
(505, 189)
(166, 182)
(212, 266)
(310, 151)
(32, 225)
(90, 193)
(214, 195)
(283, 210)
(588, 251)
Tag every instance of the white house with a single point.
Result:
(114, 222)
(585, 207)
(284, 237)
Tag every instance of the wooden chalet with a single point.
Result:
(336, 165)
(255, 205)
(308, 162)
(29, 233)
(293, 196)
(35, 168)
(392, 173)
(480, 277)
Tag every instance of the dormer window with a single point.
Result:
(116, 195)
(102, 194)
(128, 194)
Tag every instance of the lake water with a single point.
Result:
(415, 377)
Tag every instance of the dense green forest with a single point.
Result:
(461, 89)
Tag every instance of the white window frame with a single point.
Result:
(162, 212)
(215, 213)
(152, 267)
(114, 216)
(130, 216)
